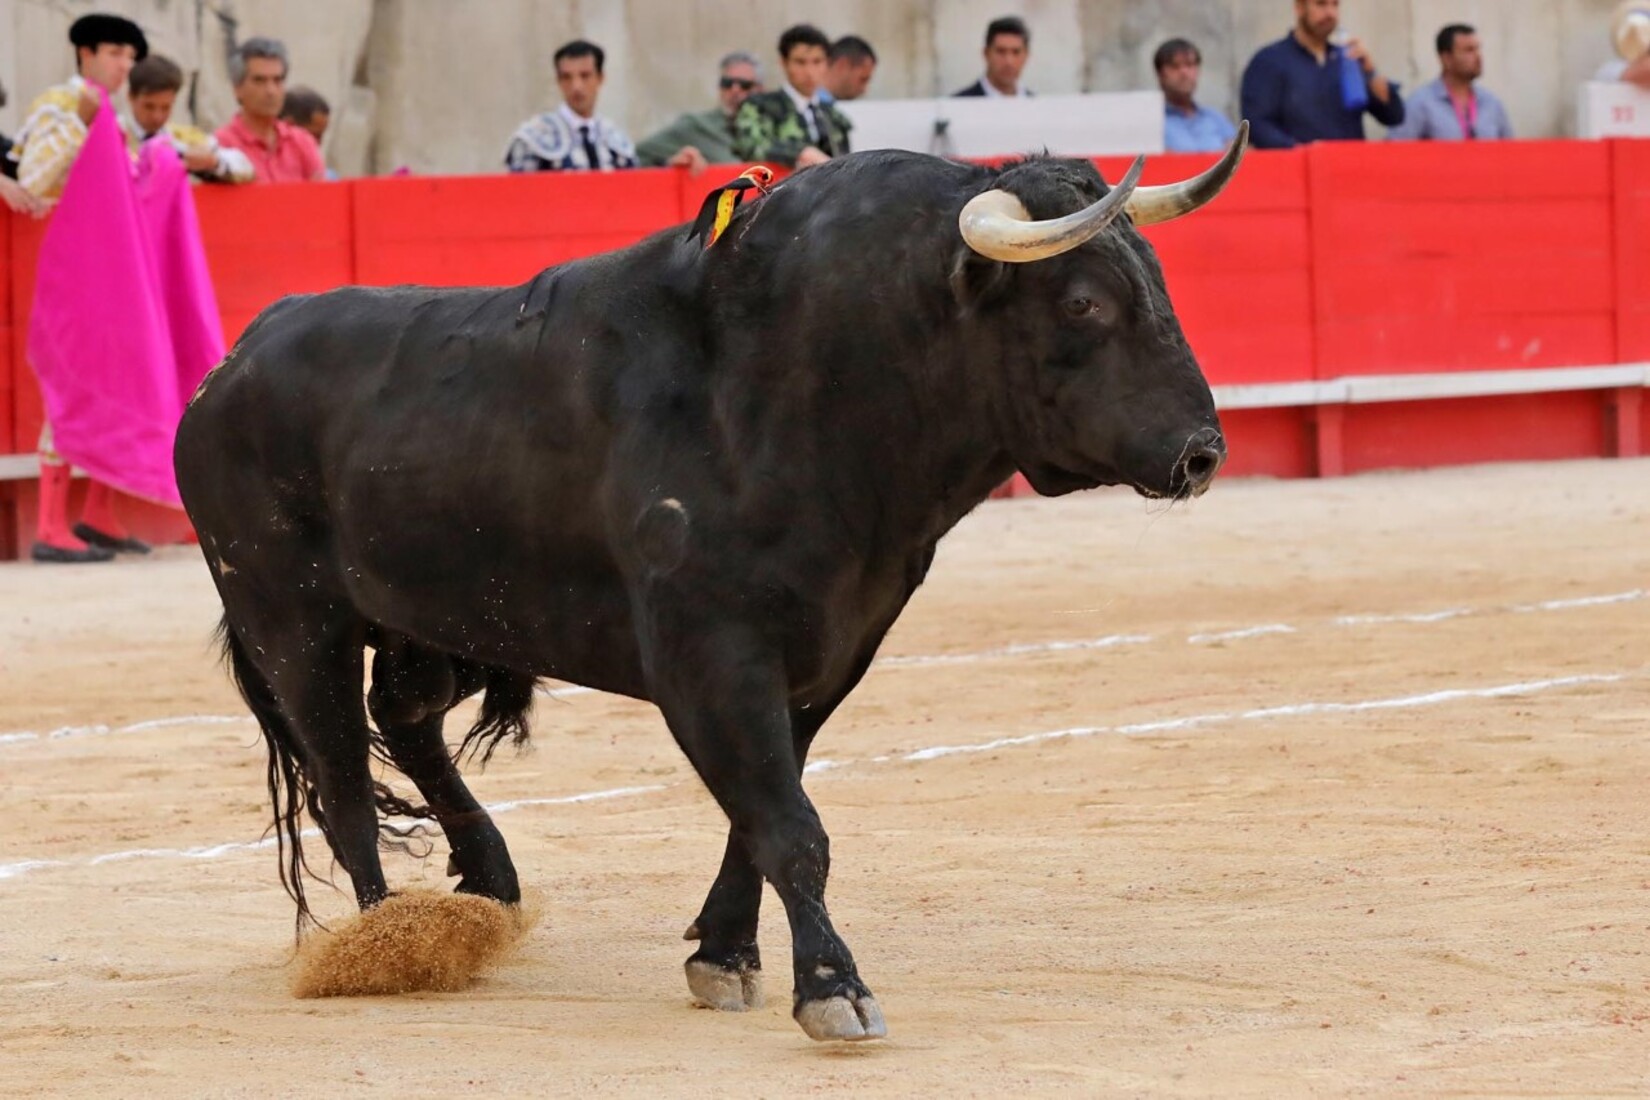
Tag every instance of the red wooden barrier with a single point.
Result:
(1631, 169)
(1336, 260)
(1435, 256)
(8, 490)
(267, 241)
(25, 397)
(501, 230)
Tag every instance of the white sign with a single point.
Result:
(1614, 109)
(1108, 124)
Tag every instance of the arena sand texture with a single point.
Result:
(1375, 825)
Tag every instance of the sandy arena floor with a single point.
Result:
(1364, 814)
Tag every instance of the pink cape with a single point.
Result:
(124, 324)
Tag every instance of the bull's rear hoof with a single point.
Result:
(723, 989)
(842, 1018)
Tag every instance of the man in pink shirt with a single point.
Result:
(280, 151)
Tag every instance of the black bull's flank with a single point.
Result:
(706, 477)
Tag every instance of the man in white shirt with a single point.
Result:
(572, 137)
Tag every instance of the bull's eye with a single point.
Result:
(1080, 307)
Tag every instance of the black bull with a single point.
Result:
(709, 478)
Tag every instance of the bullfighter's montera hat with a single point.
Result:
(92, 31)
(1630, 29)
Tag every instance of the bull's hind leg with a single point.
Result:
(412, 690)
(312, 663)
(723, 695)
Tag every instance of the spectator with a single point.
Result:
(1187, 128)
(572, 137)
(306, 107)
(1292, 88)
(849, 66)
(8, 167)
(309, 109)
(1451, 108)
(280, 152)
(1007, 46)
(152, 91)
(1630, 34)
(792, 126)
(698, 138)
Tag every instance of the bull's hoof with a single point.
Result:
(851, 1018)
(722, 988)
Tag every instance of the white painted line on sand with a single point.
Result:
(1400, 702)
(1109, 641)
(1247, 632)
(1528, 687)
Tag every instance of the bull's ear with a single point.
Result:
(976, 281)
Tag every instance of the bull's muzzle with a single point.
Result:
(1200, 460)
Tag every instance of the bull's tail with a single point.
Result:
(290, 791)
(505, 712)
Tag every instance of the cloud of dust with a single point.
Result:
(413, 942)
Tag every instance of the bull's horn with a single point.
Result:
(1150, 205)
(997, 225)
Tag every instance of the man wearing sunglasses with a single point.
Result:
(698, 138)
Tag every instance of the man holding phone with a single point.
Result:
(1292, 89)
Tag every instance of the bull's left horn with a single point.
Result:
(1150, 205)
(997, 225)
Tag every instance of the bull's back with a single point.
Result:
(305, 370)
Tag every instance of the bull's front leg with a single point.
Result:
(725, 973)
(722, 691)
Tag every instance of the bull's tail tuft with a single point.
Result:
(505, 711)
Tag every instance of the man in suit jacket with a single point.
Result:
(573, 138)
(794, 126)
(1007, 45)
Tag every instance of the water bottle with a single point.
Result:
(1354, 91)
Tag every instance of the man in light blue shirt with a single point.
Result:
(1451, 108)
(1187, 128)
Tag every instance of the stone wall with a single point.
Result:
(438, 85)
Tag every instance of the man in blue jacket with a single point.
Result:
(1292, 88)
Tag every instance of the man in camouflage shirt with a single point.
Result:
(792, 126)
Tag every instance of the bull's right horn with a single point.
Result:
(997, 225)
(1151, 205)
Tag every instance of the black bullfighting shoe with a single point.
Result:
(91, 536)
(62, 555)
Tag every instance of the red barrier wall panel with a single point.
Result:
(7, 355)
(500, 230)
(1524, 428)
(1436, 256)
(269, 240)
(26, 416)
(1267, 442)
(1630, 163)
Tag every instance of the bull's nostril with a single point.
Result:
(1200, 467)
